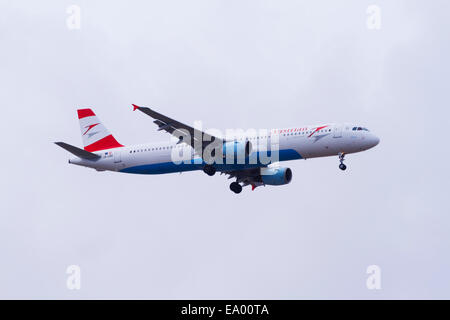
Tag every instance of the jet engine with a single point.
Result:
(276, 176)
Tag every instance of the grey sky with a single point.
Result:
(231, 64)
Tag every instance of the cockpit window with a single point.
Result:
(359, 129)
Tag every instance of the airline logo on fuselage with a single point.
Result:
(317, 129)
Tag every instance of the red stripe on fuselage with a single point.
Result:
(107, 142)
(83, 113)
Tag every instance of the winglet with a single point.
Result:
(135, 107)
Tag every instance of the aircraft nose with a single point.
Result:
(374, 141)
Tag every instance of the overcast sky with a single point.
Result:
(230, 64)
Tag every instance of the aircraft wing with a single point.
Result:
(195, 138)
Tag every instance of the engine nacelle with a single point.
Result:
(239, 149)
(276, 176)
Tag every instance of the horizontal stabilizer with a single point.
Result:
(80, 153)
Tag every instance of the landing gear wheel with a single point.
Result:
(235, 187)
(209, 170)
(342, 166)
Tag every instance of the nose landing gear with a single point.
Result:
(342, 166)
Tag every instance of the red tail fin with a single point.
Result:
(95, 135)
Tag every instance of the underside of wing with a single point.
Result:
(246, 177)
(267, 175)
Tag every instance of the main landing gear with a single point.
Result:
(235, 187)
(209, 170)
(342, 166)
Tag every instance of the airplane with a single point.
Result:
(104, 153)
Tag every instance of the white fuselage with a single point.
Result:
(293, 143)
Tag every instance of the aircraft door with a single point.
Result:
(337, 131)
(117, 156)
